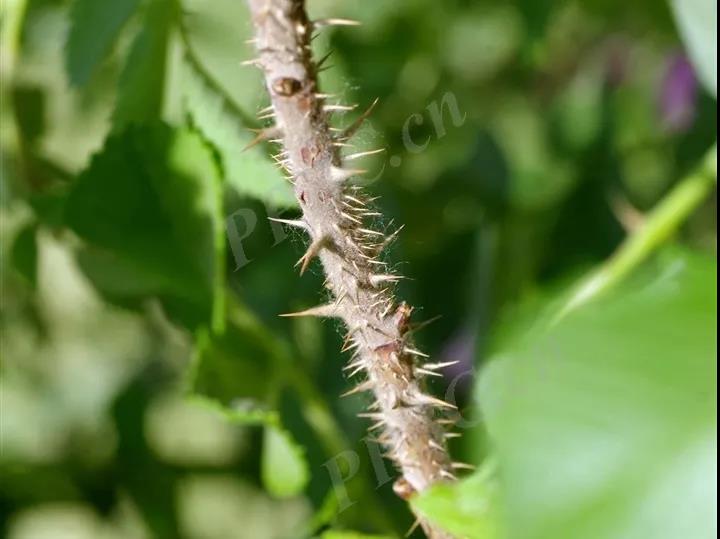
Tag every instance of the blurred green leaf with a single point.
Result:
(49, 206)
(25, 253)
(605, 426)
(94, 27)
(149, 207)
(578, 109)
(495, 29)
(236, 374)
(467, 508)
(142, 82)
(343, 534)
(284, 470)
(697, 22)
(538, 177)
(29, 103)
(250, 172)
(217, 93)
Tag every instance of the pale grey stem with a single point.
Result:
(334, 213)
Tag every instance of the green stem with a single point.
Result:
(660, 225)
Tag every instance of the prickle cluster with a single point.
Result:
(335, 211)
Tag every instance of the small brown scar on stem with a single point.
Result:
(403, 489)
(286, 86)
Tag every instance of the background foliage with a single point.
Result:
(148, 388)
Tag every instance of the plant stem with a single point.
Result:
(658, 227)
(334, 215)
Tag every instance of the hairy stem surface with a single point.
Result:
(334, 216)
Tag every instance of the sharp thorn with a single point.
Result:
(321, 311)
(342, 108)
(349, 131)
(349, 346)
(429, 399)
(350, 218)
(262, 135)
(414, 352)
(376, 280)
(371, 415)
(364, 386)
(436, 445)
(448, 475)
(413, 527)
(321, 23)
(420, 325)
(292, 222)
(427, 372)
(354, 199)
(358, 155)
(312, 251)
(369, 232)
(376, 425)
(442, 365)
(341, 174)
(320, 62)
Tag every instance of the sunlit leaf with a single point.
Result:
(250, 172)
(220, 97)
(284, 470)
(605, 426)
(468, 508)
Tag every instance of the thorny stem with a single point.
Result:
(334, 213)
(664, 220)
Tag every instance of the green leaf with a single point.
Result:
(538, 176)
(697, 22)
(94, 27)
(284, 469)
(49, 206)
(344, 534)
(24, 254)
(237, 373)
(217, 94)
(605, 425)
(250, 172)
(577, 110)
(149, 208)
(142, 81)
(467, 508)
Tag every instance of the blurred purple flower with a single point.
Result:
(678, 99)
